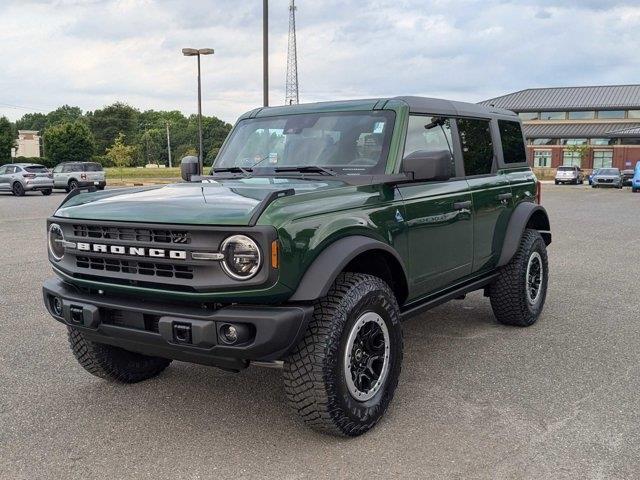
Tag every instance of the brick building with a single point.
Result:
(590, 127)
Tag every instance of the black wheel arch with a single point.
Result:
(526, 215)
(358, 254)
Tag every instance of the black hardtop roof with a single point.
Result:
(416, 105)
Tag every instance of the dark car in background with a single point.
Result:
(591, 175)
(607, 177)
(627, 177)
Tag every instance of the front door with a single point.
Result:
(437, 215)
(4, 178)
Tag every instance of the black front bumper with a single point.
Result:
(149, 327)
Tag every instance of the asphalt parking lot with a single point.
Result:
(475, 400)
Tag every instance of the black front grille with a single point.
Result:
(135, 267)
(149, 235)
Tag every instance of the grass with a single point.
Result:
(129, 174)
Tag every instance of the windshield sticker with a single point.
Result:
(273, 157)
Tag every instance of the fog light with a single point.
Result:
(229, 334)
(56, 306)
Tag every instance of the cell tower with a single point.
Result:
(291, 89)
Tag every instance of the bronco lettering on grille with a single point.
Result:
(133, 251)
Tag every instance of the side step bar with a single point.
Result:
(420, 306)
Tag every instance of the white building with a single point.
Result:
(28, 143)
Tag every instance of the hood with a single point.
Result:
(210, 202)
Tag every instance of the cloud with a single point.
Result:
(91, 53)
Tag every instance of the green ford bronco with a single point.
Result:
(319, 228)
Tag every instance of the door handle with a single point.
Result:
(462, 205)
(505, 196)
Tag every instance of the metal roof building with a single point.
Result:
(605, 120)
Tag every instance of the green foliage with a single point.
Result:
(6, 140)
(146, 131)
(68, 142)
(121, 154)
(581, 150)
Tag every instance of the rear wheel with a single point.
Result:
(518, 294)
(18, 189)
(342, 375)
(113, 363)
(47, 191)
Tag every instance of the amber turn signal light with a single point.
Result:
(275, 257)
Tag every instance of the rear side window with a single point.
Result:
(36, 169)
(512, 142)
(72, 167)
(477, 146)
(92, 167)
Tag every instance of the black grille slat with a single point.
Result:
(133, 267)
(142, 235)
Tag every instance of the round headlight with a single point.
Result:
(56, 241)
(242, 257)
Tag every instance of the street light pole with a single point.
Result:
(265, 52)
(168, 144)
(197, 52)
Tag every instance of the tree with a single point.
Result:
(32, 121)
(69, 142)
(121, 154)
(64, 114)
(108, 123)
(6, 140)
(581, 150)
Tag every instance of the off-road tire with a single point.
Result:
(508, 293)
(17, 189)
(46, 192)
(113, 363)
(314, 379)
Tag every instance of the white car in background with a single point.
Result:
(71, 175)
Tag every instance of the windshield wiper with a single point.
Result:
(307, 168)
(245, 172)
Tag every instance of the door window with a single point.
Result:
(512, 142)
(428, 133)
(542, 158)
(602, 158)
(3, 170)
(58, 169)
(477, 146)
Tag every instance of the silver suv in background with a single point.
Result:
(607, 177)
(19, 178)
(569, 174)
(71, 175)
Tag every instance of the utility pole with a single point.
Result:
(291, 89)
(168, 144)
(265, 52)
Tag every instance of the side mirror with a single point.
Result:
(435, 165)
(189, 167)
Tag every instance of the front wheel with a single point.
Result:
(342, 375)
(113, 363)
(73, 184)
(518, 294)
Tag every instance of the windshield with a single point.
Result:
(609, 171)
(351, 143)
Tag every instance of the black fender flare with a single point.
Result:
(526, 213)
(332, 260)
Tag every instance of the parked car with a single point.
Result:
(71, 175)
(627, 177)
(569, 174)
(607, 177)
(306, 251)
(19, 178)
(590, 177)
(635, 182)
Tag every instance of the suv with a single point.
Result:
(571, 174)
(607, 177)
(319, 228)
(19, 178)
(71, 175)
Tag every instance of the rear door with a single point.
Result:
(490, 190)
(437, 213)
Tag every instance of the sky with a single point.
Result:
(91, 53)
